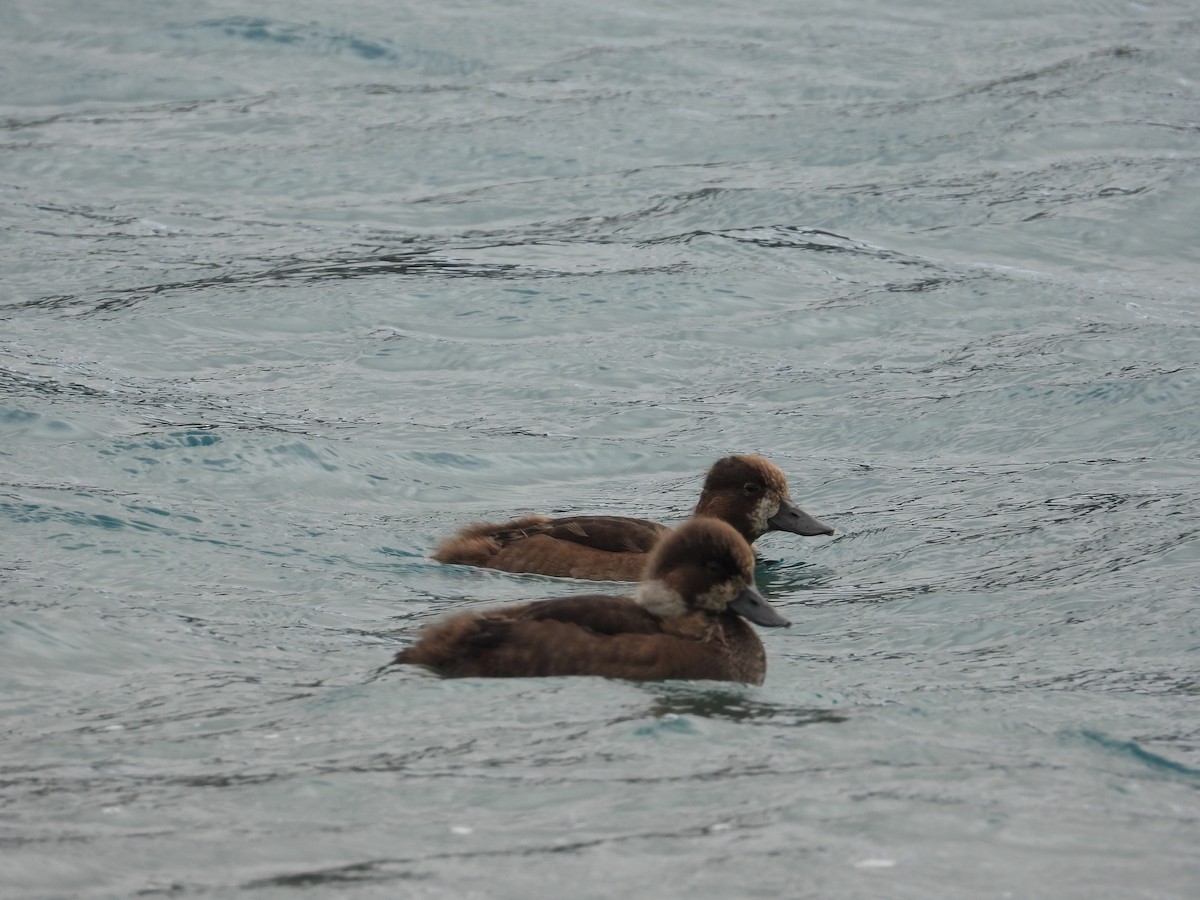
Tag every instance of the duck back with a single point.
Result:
(597, 635)
(609, 548)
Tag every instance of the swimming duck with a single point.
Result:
(748, 492)
(687, 619)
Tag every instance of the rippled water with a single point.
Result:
(286, 296)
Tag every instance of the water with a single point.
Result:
(289, 295)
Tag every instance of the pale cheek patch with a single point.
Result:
(766, 508)
(661, 600)
(716, 598)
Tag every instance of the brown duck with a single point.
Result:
(687, 619)
(748, 492)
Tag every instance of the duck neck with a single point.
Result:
(658, 597)
(745, 648)
(745, 525)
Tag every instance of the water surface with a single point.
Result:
(288, 296)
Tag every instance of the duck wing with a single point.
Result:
(598, 635)
(608, 548)
(549, 647)
(597, 613)
(610, 534)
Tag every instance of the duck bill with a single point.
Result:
(752, 605)
(792, 518)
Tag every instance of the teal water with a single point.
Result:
(287, 295)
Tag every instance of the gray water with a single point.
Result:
(288, 293)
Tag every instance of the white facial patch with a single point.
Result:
(665, 602)
(761, 516)
(719, 596)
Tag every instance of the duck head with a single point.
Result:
(704, 566)
(751, 493)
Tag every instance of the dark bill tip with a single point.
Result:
(792, 518)
(752, 605)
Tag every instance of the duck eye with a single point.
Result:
(752, 489)
(713, 566)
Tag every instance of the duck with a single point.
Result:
(748, 492)
(689, 618)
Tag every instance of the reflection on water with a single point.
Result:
(779, 578)
(732, 705)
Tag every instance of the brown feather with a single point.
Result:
(595, 547)
(509, 646)
(597, 613)
(691, 633)
(613, 548)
